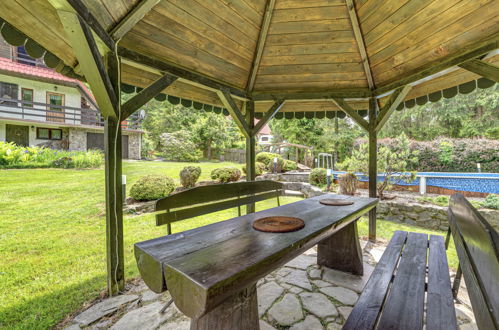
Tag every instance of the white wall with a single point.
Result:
(72, 97)
(2, 131)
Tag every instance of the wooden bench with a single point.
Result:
(212, 198)
(477, 245)
(394, 296)
(211, 271)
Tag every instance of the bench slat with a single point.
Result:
(367, 308)
(440, 312)
(405, 302)
(164, 218)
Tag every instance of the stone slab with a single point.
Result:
(310, 323)
(345, 311)
(147, 317)
(341, 294)
(287, 311)
(318, 304)
(298, 278)
(103, 308)
(265, 326)
(267, 294)
(302, 262)
(346, 280)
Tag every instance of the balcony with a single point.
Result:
(20, 110)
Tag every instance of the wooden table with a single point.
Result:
(211, 272)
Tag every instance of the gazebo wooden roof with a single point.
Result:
(258, 59)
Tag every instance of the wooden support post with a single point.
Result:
(250, 149)
(114, 207)
(373, 160)
(484, 69)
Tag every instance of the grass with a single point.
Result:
(52, 238)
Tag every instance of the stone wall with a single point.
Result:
(77, 139)
(425, 215)
(134, 145)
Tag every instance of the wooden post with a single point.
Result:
(250, 149)
(114, 208)
(373, 171)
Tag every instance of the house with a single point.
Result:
(41, 107)
(265, 135)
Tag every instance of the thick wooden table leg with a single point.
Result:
(342, 251)
(239, 312)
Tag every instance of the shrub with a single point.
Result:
(348, 183)
(151, 187)
(189, 176)
(226, 174)
(289, 165)
(491, 202)
(259, 168)
(318, 177)
(178, 147)
(267, 158)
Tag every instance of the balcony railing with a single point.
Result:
(50, 113)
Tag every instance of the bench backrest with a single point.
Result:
(212, 198)
(477, 245)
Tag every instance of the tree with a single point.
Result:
(393, 161)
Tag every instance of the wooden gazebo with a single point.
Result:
(258, 59)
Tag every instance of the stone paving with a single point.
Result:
(298, 296)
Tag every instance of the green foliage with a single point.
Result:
(318, 177)
(14, 156)
(394, 160)
(178, 146)
(491, 202)
(151, 187)
(267, 158)
(226, 174)
(446, 152)
(348, 183)
(147, 147)
(289, 165)
(259, 168)
(189, 176)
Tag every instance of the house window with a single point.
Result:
(265, 138)
(27, 97)
(43, 133)
(8, 92)
(55, 113)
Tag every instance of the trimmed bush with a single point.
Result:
(491, 202)
(151, 187)
(318, 177)
(259, 167)
(267, 158)
(289, 165)
(226, 174)
(189, 176)
(178, 147)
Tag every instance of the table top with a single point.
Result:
(229, 254)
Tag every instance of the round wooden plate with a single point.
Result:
(278, 224)
(335, 202)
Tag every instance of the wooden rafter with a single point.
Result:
(312, 95)
(268, 116)
(484, 69)
(146, 95)
(264, 30)
(360, 43)
(395, 99)
(235, 112)
(485, 46)
(351, 112)
(201, 80)
(90, 60)
(132, 18)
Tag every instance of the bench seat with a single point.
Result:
(411, 278)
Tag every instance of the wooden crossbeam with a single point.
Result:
(235, 112)
(78, 7)
(132, 18)
(162, 66)
(85, 48)
(268, 116)
(395, 99)
(485, 46)
(351, 112)
(146, 95)
(312, 95)
(484, 69)
(264, 30)
(360, 43)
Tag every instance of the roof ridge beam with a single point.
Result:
(146, 95)
(351, 112)
(482, 68)
(132, 18)
(355, 93)
(268, 116)
(360, 43)
(234, 111)
(264, 30)
(395, 99)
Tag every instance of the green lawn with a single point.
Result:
(52, 242)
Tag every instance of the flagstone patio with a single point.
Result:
(298, 296)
